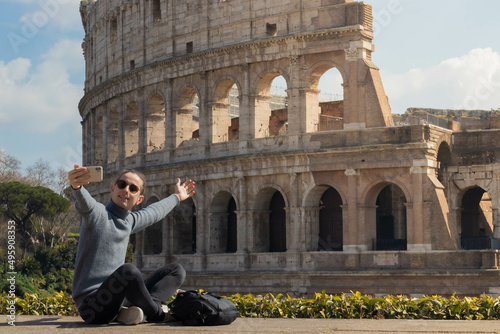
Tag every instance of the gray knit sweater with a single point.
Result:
(104, 236)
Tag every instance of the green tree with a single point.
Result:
(23, 203)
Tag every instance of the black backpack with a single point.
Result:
(195, 308)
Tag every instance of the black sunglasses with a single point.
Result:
(131, 187)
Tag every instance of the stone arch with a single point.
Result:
(323, 217)
(112, 135)
(444, 160)
(329, 114)
(153, 235)
(155, 123)
(386, 215)
(476, 219)
(131, 129)
(225, 122)
(270, 218)
(267, 121)
(186, 116)
(184, 227)
(223, 223)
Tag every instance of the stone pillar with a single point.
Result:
(419, 219)
(247, 105)
(242, 217)
(368, 227)
(121, 132)
(351, 98)
(168, 242)
(170, 142)
(201, 219)
(310, 229)
(293, 237)
(165, 251)
(139, 249)
(496, 222)
(205, 109)
(141, 123)
(91, 138)
(354, 228)
(85, 151)
(303, 103)
(105, 124)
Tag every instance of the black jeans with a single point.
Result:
(125, 286)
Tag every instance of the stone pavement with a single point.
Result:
(56, 324)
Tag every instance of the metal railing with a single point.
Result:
(389, 244)
(480, 243)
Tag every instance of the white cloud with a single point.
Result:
(61, 13)
(471, 81)
(42, 98)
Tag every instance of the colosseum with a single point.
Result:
(296, 196)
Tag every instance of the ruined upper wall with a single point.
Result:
(125, 34)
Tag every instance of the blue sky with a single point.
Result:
(431, 53)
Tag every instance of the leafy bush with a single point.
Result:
(357, 306)
(34, 304)
(354, 306)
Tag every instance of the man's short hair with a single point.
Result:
(133, 171)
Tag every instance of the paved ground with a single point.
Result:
(55, 324)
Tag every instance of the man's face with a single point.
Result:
(126, 198)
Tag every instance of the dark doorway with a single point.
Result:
(477, 220)
(231, 227)
(391, 219)
(277, 224)
(330, 221)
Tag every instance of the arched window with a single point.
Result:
(330, 221)
(271, 106)
(184, 229)
(153, 235)
(187, 117)
(155, 124)
(225, 112)
(391, 219)
(477, 220)
(223, 223)
(131, 129)
(277, 224)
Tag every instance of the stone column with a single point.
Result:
(170, 142)
(139, 249)
(310, 228)
(355, 87)
(105, 124)
(121, 132)
(201, 220)
(368, 228)
(141, 123)
(246, 119)
(354, 234)
(247, 112)
(419, 219)
(205, 109)
(85, 151)
(242, 217)
(293, 237)
(91, 138)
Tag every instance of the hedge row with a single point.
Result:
(344, 306)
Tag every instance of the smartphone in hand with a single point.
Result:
(95, 173)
